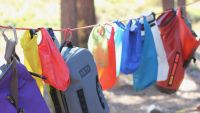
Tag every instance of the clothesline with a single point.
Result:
(95, 25)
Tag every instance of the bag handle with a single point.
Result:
(67, 42)
(10, 45)
(119, 24)
(50, 30)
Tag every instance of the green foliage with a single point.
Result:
(30, 13)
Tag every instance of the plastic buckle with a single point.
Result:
(11, 100)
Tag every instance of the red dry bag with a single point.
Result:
(188, 40)
(171, 32)
(53, 65)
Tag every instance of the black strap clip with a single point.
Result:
(12, 101)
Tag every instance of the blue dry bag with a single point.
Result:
(146, 75)
(131, 47)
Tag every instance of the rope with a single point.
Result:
(95, 25)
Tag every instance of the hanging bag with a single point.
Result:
(30, 50)
(169, 24)
(27, 91)
(17, 87)
(118, 45)
(146, 74)
(163, 66)
(84, 94)
(98, 46)
(106, 73)
(53, 65)
(188, 39)
(131, 48)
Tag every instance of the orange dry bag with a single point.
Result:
(108, 78)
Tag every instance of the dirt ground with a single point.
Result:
(123, 99)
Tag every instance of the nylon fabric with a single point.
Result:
(27, 92)
(188, 40)
(169, 27)
(146, 74)
(31, 56)
(163, 66)
(118, 45)
(53, 65)
(131, 48)
(106, 74)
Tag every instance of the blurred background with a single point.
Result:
(75, 13)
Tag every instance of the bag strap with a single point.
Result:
(82, 101)
(14, 92)
(13, 98)
(11, 57)
(120, 24)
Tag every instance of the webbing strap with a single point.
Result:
(13, 98)
(82, 101)
(55, 99)
(99, 89)
(64, 102)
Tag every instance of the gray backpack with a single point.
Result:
(84, 94)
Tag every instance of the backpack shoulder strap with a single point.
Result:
(13, 98)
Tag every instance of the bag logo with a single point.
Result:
(85, 70)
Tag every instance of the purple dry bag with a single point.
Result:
(18, 90)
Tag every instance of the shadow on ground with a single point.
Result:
(123, 99)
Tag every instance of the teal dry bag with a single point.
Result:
(119, 31)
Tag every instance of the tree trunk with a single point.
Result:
(77, 13)
(167, 4)
(182, 3)
(69, 18)
(86, 16)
